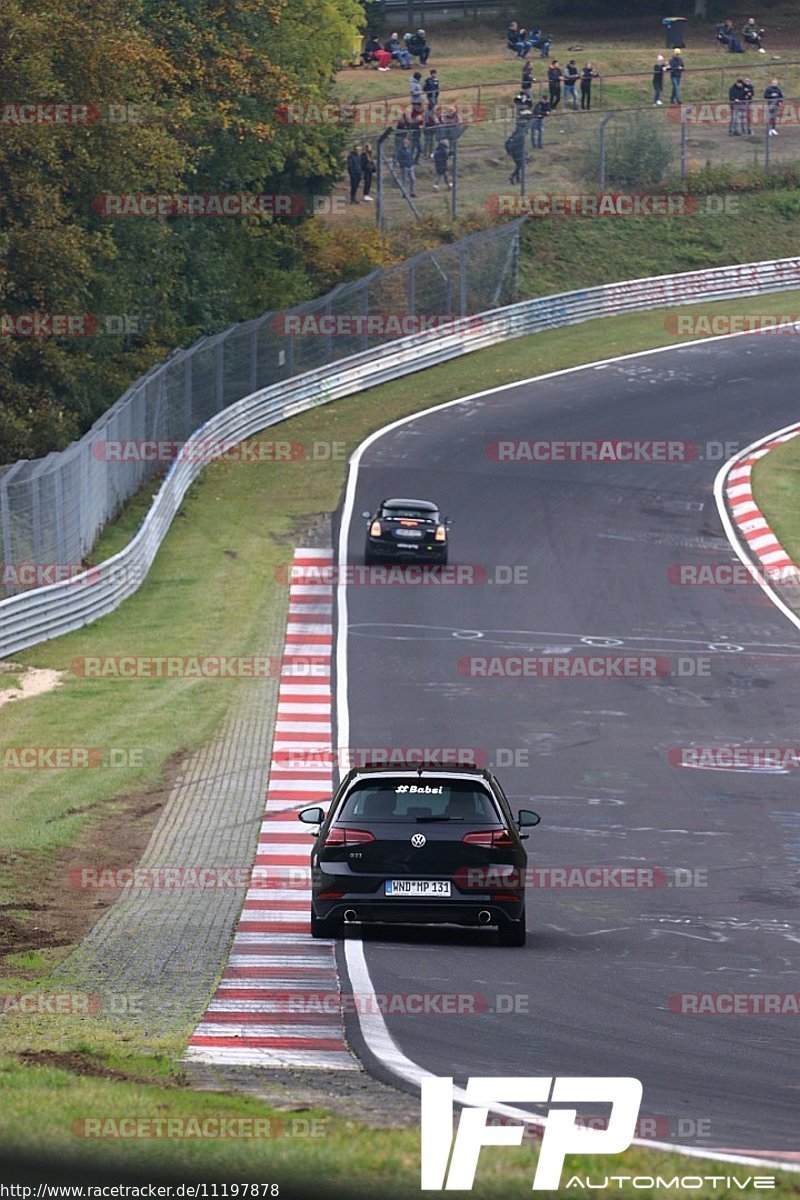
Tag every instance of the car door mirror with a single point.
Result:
(312, 816)
(527, 816)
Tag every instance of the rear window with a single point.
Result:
(412, 514)
(402, 800)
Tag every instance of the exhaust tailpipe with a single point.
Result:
(484, 917)
(350, 915)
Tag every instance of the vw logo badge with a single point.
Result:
(418, 839)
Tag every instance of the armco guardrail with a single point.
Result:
(48, 612)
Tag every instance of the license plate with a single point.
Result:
(408, 533)
(417, 887)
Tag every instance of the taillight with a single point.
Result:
(338, 836)
(504, 897)
(441, 533)
(500, 839)
(375, 529)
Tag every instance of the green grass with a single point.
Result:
(45, 1111)
(776, 486)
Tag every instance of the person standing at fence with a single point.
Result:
(416, 136)
(405, 161)
(571, 74)
(527, 81)
(659, 71)
(367, 170)
(749, 93)
(587, 75)
(415, 92)
(354, 171)
(431, 87)
(774, 98)
(676, 69)
(441, 158)
(515, 148)
(541, 109)
(554, 78)
(736, 101)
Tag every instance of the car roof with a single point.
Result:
(428, 505)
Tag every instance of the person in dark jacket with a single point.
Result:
(749, 93)
(441, 159)
(587, 75)
(541, 109)
(554, 78)
(527, 81)
(659, 71)
(774, 98)
(430, 123)
(370, 47)
(354, 171)
(418, 46)
(676, 69)
(542, 42)
(430, 87)
(398, 50)
(405, 161)
(367, 170)
(736, 100)
(753, 34)
(571, 74)
(515, 148)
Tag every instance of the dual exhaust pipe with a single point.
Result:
(484, 916)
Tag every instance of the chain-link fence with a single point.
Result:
(52, 509)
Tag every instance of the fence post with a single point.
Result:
(454, 189)
(462, 280)
(219, 364)
(603, 124)
(411, 299)
(683, 146)
(254, 356)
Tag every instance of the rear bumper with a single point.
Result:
(400, 551)
(420, 912)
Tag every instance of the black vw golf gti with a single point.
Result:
(414, 845)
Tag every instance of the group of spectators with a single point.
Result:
(675, 69)
(752, 34)
(360, 169)
(522, 41)
(395, 49)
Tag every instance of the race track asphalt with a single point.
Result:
(590, 994)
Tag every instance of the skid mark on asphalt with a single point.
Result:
(278, 1003)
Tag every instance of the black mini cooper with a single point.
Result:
(419, 845)
(408, 531)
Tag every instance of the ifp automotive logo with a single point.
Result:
(561, 1136)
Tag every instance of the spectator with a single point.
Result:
(515, 148)
(398, 50)
(383, 58)
(542, 42)
(541, 109)
(371, 46)
(736, 98)
(367, 170)
(587, 75)
(431, 87)
(571, 74)
(659, 71)
(405, 161)
(441, 159)
(676, 69)
(512, 35)
(430, 120)
(749, 93)
(753, 34)
(554, 78)
(521, 100)
(525, 44)
(415, 92)
(774, 98)
(419, 47)
(527, 81)
(724, 32)
(354, 171)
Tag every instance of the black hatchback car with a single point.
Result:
(407, 530)
(419, 846)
